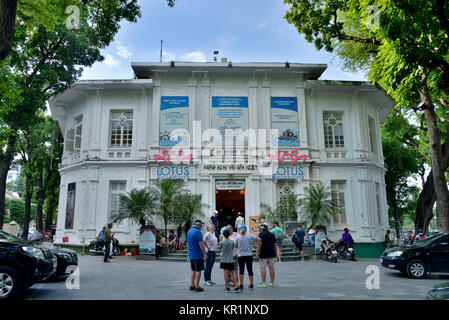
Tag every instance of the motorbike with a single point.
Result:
(345, 251)
(96, 249)
(328, 251)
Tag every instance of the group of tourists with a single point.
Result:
(236, 253)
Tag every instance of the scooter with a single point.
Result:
(99, 250)
(328, 251)
(345, 251)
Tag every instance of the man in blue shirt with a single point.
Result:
(197, 254)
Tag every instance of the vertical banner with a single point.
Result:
(230, 117)
(174, 121)
(284, 119)
(70, 209)
(147, 241)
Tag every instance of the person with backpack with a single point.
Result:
(280, 235)
(300, 233)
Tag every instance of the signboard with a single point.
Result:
(230, 117)
(230, 184)
(174, 122)
(147, 242)
(287, 173)
(172, 172)
(284, 119)
(70, 208)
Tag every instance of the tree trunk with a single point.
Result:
(40, 197)
(438, 171)
(396, 222)
(28, 195)
(50, 210)
(7, 22)
(424, 207)
(5, 164)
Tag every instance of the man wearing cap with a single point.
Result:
(214, 221)
(267, 252)
(197, 254)
(240, 221)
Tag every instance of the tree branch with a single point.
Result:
(342, 36)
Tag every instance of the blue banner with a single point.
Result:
(168, 102)
(289, 103)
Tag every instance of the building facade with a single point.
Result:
(241, 135)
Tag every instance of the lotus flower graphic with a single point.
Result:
(281, 155)
(175, 157)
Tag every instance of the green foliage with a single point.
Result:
(286, 209)
(187, 208)
(16, 208)
(137, 205)
(318, 205)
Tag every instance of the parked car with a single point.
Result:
(67, 259)
(439, 292)
(22, 263)
(421, 258)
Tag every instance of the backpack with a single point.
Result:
(278, 234)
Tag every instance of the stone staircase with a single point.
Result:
(287, 254)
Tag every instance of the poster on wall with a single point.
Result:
(174, 122)
(284, 119)
(254, 223)
(70, 209)
(230, 117)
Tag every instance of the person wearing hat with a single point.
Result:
(197, 254)
(245, 255)
(240, 221)
(420, 235)
(214, 221)
(267, 252)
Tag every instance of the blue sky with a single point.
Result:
(242, 30)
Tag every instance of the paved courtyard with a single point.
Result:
(128, 278)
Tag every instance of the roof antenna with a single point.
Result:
(215, 55)
(162, 41)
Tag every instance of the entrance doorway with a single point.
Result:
(229, 203)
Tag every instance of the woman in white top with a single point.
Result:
(245, 255)
(211, 241)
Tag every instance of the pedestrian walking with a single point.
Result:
(387, 239)
(245, 255)
(300, 233)
(197, 254)
(211, 243)
(214, 221)
(227, 261)
(107, 238)
(280, 235)
(240, 221)
(267, 252)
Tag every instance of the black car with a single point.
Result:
(67, 259)
(439, 292)
(22, 263)
(421, 258)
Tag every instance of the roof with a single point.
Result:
(146, 70)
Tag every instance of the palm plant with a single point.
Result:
(166, 192)
(285, 210)
(188, 207)
(318, 205)
(136, 205)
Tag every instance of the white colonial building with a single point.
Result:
(239, 134)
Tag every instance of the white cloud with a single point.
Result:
(123, 51)
(195, 56)
(262, 25)
(110, 61)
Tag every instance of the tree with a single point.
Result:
(137, 205)
(166, 192)
(285, 209)
(18, 185)
(187, 207)
(44, 61)
(318, 205)
(410, 63)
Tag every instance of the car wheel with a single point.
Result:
(10, 283)
(416, 269)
